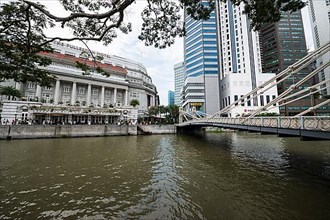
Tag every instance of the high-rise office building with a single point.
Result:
(223, 63)
(319, 12)
(170, 97)
(282, 44)
(178, 82)
(201, 87)
(240, 61)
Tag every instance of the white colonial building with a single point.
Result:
(76, 92)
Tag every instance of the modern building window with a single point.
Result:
(95, 92)
(273, 97)
(249, 101)
(235, 99)
(262, 103)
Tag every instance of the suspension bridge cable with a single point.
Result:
(292, 87)
(296, 67)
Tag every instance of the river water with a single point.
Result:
(213, 176)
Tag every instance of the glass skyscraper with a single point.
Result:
(283, 44)
(170, 97)
(201, 65)
(319, 12)
(222, 62)
(240, 61)
(178, 82)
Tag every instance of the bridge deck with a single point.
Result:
(305, 127)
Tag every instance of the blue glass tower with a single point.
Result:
(170, 97)
(201, 88)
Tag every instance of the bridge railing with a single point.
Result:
(305, 122)
(316, 123)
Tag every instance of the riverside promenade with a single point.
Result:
(63, 131)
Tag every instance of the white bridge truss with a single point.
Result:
(298, 121)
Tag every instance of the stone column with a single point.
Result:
(102, 97)
(115, 96)
(38, 93)
(89, 95)
(74, 93)
(18, 86)
(57, 91)
(126, 97)
(152, 101)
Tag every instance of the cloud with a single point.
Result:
(158, 62)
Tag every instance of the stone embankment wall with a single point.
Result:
(158, 129)
(61, 131)
(58, 131)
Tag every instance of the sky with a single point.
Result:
(158, 62)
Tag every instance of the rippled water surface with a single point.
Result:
(214, 176)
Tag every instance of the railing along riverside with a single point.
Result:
(69, 112)
(304, 122)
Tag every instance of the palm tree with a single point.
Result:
(174, 113)
(153, 110)
(10, 92)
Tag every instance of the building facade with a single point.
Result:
(223, 62)
(282, 44)
(319, 13)
(178, 82)
(201, 86)
(240, 61)
(72, 88)
(170, 97)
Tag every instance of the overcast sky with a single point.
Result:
(159, 62)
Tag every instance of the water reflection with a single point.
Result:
(214, 176)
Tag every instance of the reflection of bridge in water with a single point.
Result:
(298, 125)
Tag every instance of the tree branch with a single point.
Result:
(12, 22)
(109, 13)
(115, 25)
(91, 52)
